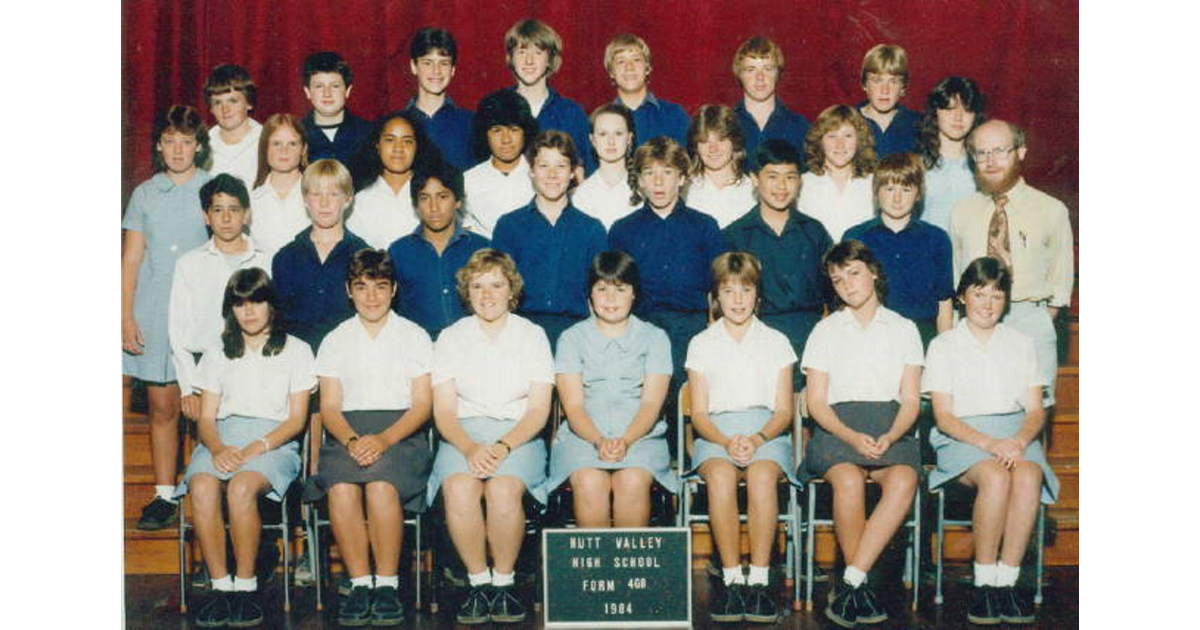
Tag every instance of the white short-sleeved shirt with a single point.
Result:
(741, 375)
(492, 377)
(726, 204)
(239, 160)
(607, 203)
(863, 364)
(991, 378)
(254, 385)
(275, 221)
(194, 320)
(380, 216)
(376, 374)
(492, 194)
(837, 210)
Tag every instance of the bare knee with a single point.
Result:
(720, 475)
(382, 493)
(504, 495)
(990, 477)
(900, 481)
(242, 492)
(461, 493)
(205, 491)
(847, 481)
(591, 483)
(1026, 478)
(762, 478)
(632, 483)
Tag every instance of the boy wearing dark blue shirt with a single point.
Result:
(758, 64)
(331, 130)
(433, 56)
(627, 62)
(885, 78)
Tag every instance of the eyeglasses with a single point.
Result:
(998, 152)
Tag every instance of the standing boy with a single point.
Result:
(627, 62)
(885, 78)
(758, 64)
(500, 183)
(433, 56)
(331, 130)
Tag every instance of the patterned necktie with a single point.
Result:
(997, 242)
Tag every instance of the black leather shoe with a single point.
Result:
(244, 611)
(476, 607)
(506, 608)
(386, 609)
(354, 609)
(984, 608)
(158, 514)
(1012, 607)
(867, 607)
(843, 610)
(760, 605)
(214, 613)
(728, 603)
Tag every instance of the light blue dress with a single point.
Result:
(171, 220)
(945, 185)
(613, 372)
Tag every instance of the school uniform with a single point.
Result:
(900, 135)
(491, 194)
(723, 204)
(450, 129)
(595, 198)
(171, 220)
(989, 383)
(340, 142)
(254, 391)
(947, 183)
(563, 114)
(427, 287)
(613, 371)
(312, 292)
(380, 216)
(783, 124)
(658, 117)
(837, 210)
(239, 159)
(275, 221)
(492, 378)
(376, 376)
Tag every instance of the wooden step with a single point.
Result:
(1066, 390)
(150, 552)
(1061, 550)
(1067, 471)
(1062, 435)
(1072, 343)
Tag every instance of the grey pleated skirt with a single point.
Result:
(825, 450)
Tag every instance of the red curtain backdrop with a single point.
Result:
(1024, 54)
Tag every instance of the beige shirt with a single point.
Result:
(1039, 232)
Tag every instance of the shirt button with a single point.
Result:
(445, 291)
(174, 247)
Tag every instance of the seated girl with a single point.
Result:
(613, 372)
(987, 400)
(492, 378)
(278, 202)
(740, 379)
(254, 400)
(840, 152)
(863, 364)
(720, 186)
(606, 194)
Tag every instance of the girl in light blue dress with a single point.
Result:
(613, 372)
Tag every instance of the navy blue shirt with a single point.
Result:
(782, 124)
(674, 256)
(901, 134)
(312, 294)
(449, 128)
(656, 117)
(553, 259)
(916, 261)
(791, 261)
(562, 114)
(428, 291)
(351, 133)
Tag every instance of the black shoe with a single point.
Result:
(354, 609)
(1013, 608)
(200, 577)
(843, 610)
(215, 613)
(386, 609)
(244, 611)
(158, 514)
(760, 604)
(475, 608)
(868, 609)
(728, 603)
(984, 610)
(506, 608)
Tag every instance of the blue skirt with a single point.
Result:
(527, 462)
(955, 458)
(570, 453)
(280, 465)
(747, 422)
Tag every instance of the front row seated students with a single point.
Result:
(492, 378)
(433, 55)
(375, 403)
(230, 95)
(332, 131)
(788, 243)
(627, 62)
(194, 319)
(255, 383)
(757, 65)
(500, 183)
(885, 78)
(986, 386)
(310, 271)
(278, 202)
(426, 261)
(383, 170)
(915, 255)
(864, 375)
(840, 154)
(718, 185)
(533, 51)
(613, 373)
(740, 379)
(606, 194)
(550, 240)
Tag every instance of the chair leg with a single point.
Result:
(941, 544)
(794, 534)
(915, 549)
(286, 537)
(183, 566)
(1041, 551)
(810, 547)
(314, 553)
(418, 558)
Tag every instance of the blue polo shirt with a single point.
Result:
(312, 294)
(563, 114)
(916, 261)
(350, 135)
(450, 129)
(553, 259)
(901, 134)
(791, 261)
(783, 124)
(656, 117)
(674, 256)
(428, 291)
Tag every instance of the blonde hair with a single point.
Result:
(831, 119)
(721, 120)
(537, 33)
(757, 48)
(622, 43)
(483, 261)
(886, 59)
(322, 171)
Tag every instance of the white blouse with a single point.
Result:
(254, 385)
(380, 216)
(606, 203)
(492, 194)
(983, 378)
(240, 159)
(275, 221)
(863, 364)
(740, 375)
(492, 376)
(376, 374)
(727, 204)
(837, 210)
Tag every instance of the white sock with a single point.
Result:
(245, 584)
(387, 580)
(362, 580)
(854, 576)
(1006, 575)
(166, 493)
(481, 578)
(733, 575)
(224, 584)
(503, 579)
(758, 575)
(985, 574)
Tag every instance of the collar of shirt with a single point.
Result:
(522, 168)
(210, 248)
(794, 219)
(390, 324)
(382, 187)
(914, 225)
(266, 191)
(1017, 192)
(883, 317)
(751, 333)
(567, 216)
(650, 100)
(625, 342)
(779, 111)
(447, 105)
(163, 183)
(311, 119)
(349, 239)
(965, 337)
(647, 212)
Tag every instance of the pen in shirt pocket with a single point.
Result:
(1024, 241)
